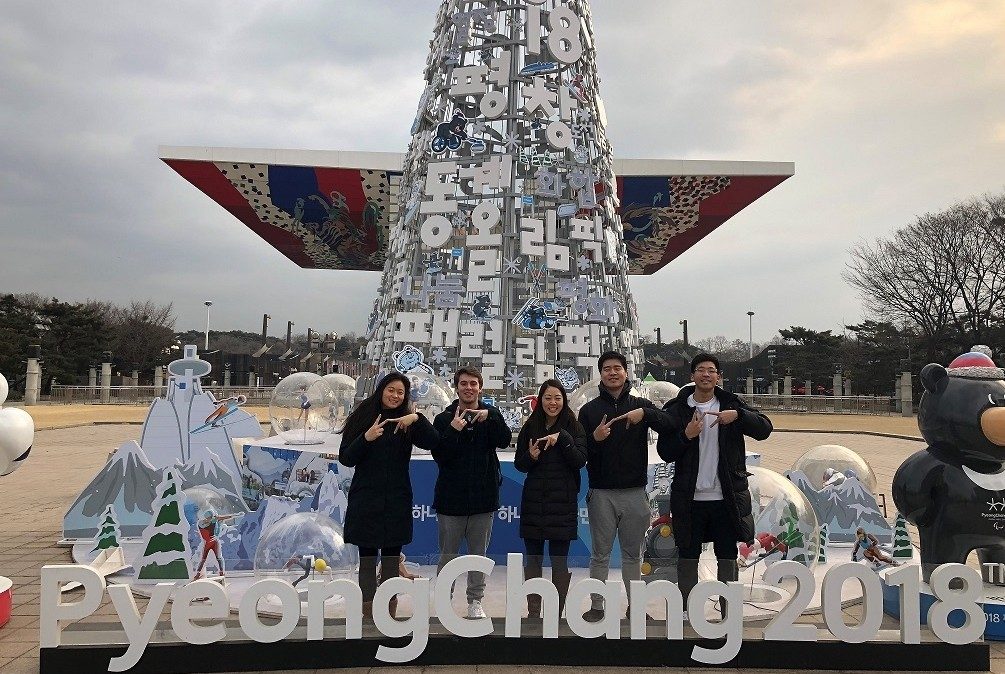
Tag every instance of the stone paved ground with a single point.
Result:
(33, 500)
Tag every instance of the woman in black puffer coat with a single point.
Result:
(377, 440)
(551, 449)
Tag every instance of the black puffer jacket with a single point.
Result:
(675, 447)
(549, 507)
(379, 513)
(620, 461)
(469, 472)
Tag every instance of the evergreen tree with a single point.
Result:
(166, 551)
(902, 546)
(108, 535)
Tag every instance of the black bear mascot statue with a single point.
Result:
(954, 489)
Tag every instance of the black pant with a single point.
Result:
(389, 559)
(558, 551)
(710, 522)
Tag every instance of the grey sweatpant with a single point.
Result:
(624, 512)
(476, 530)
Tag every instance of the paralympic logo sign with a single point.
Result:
(956, 587)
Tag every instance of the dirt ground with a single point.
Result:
(66, 416)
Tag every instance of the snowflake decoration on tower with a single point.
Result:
(511, 141)
(512, 266)
(515, 379)
(445, 372)
(584, 263)
(516, 25)
(438, 355)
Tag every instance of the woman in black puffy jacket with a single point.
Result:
(377, 440)
(551, 449)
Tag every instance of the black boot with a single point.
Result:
(561, 579)
(533, 600)
(687, 577)
(388, 570)
(727, 570)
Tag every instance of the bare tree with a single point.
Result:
(941, 274)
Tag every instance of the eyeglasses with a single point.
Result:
(706, 370)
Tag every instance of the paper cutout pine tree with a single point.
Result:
(166, 552)
(108, 534)
(902, 546)
(822, 545)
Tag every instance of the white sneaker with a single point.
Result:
(475, 610)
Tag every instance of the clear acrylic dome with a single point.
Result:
(590, 390)
(291, 547)
(430, 393)
(202, 498)
(344, 388)
(785, 524)
(300, 409)
(662, 392)
(842, 462)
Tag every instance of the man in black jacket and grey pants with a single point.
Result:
(466, 496)
(617, 442)
(709, 495)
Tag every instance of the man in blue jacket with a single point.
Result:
(466, 496)
(617, 442)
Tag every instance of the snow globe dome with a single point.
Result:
(202, 498)
(308, 543)
(344, 388)
(300, 409)
(826, 464)
(661, 392)
(785, 524)
(4, 389)
(590, 390)
(430, 393)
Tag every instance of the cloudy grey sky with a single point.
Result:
(888, 108)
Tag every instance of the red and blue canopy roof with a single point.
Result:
(330, 210)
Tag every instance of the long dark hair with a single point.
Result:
(538, 420)
(365, 413)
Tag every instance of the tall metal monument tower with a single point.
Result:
(506, 235)
(508, 251)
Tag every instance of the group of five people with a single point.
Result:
(701, 431)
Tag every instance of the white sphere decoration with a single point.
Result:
(309, 533)
(430, 393)
(783, 513)
(662, 392)
(818, 459)
(590, 390)
(300, 409)
(17, 433)
(344, 388)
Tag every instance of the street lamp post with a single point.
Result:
(750, 319)
(208, 304)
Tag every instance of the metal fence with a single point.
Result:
(144, 395)
(824, 404)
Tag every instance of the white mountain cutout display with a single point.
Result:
(844, 507)
(127, 483)
(169, 439)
